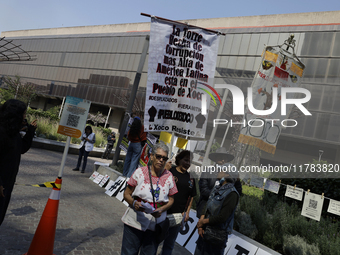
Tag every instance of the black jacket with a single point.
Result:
(11, 149)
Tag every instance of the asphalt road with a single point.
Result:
(89, 221)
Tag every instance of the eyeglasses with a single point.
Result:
(159, 157)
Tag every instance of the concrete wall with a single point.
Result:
(332, 17)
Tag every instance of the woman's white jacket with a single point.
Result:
(89, 144)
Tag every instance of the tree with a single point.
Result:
(14, 88)
(96, 118)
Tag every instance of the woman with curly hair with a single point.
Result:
(137, 138)
(12, 145)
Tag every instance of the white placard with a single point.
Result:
(120, 194)
(257, 181)
(109, 185)
(187, 230)
(191, 145)
(262, 252)
(104, 180)
(94, 175)
(240, 246)
(272, 186)
(312, 206)
(114, 187)
(98, 179)
(334, 207)
(296, 193)
(201, 145)
(101, 163)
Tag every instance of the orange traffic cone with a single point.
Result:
(43, 240)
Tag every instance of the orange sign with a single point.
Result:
(69, 131)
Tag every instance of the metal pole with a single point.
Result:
(62, 165)
(225, 134)
(107, 118)
(224, 99)
(171, 143)
(132, 99)
(61, 108)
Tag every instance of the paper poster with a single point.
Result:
(109, 185)
(295, 193)
(201, 145)
(74, 116)
(120, 193)
(191, 145)
(262, 252)
(115, 186)
(181, 143)
(165, 137)
(334, 207)
(94, 175)
(257, 181)
(181, 69)
(104, 180)
(312, 206)
(98, 178)
(241, 246)
(186, 232)
(272, 186)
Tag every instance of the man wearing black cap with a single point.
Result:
(208, 179)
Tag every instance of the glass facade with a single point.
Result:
(102, 68)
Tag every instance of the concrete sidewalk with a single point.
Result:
(89, 221)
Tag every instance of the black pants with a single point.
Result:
(107, 151)
(4, 201)
(82, 152)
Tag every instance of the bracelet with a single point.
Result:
(133, 204)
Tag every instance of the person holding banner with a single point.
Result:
(183, 199)
(137, 138)
(139, 236)
(216, 220)
(12, 145)
(86, 146)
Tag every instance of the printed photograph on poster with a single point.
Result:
(312, 206)
(334, 207)
(294, 192)
(272, 186)
(147, 149)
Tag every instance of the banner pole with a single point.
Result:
(132, 99)
(62, 165)
(213, 133)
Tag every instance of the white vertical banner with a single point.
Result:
(181, 69)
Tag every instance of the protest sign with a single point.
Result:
(181, 68)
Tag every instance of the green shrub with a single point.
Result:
(45, 114)
(244, 224)
(296, 245)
